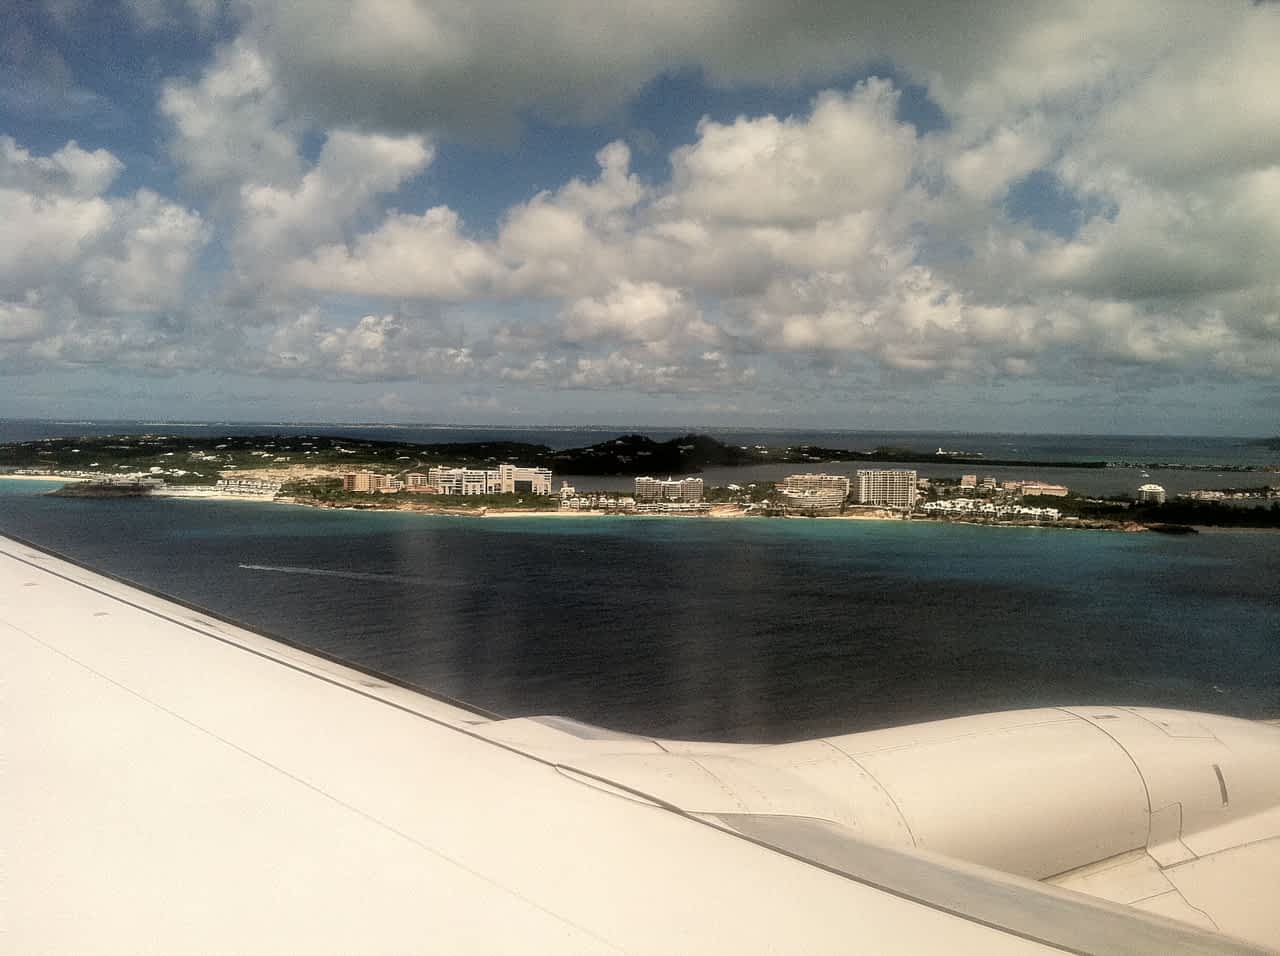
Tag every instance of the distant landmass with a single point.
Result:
(198, 460)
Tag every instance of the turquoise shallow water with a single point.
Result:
(736, 629)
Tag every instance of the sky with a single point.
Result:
(1009, 216)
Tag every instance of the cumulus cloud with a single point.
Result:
(68, 171)
(407, 256)
(77, 266)
(835, 238)
(847, 155)
(465, 66)
(643, 312)
(230, 127)
(352, 169)
(375, 348)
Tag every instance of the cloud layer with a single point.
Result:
(778, 254)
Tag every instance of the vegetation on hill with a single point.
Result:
(200, 460)
(1205, 513)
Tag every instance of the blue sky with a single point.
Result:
(1032, 216)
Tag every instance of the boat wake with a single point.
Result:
(327, 573)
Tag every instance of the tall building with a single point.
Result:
(515, 480)
(893, 489)
(1151, 494)
(654, 491)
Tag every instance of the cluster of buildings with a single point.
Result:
(503, 480)
(1016, 486)
(368, 481)
(981, 508)
(571, 500)
(249, 487)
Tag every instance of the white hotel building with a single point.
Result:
(672, 496)
(503, 480)
(892, 489)
(654, 491)
(813, 494)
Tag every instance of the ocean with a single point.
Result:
(734, 629)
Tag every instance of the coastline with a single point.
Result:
(65, 479)
(717, 512)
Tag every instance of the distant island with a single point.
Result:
(499, 477)
(201, 460)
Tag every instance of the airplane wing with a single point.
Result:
(174, 783)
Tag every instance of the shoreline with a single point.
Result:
(65, 479)
(716, 513)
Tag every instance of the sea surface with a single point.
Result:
(733, 629)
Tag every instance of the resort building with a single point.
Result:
(516, 480)
(672, 496)
(814, 494)
(893, 489)
(1043, 488)
(463, 481)
(419, 484)
(608, 502)
(1151, 494)
(256, 487)
(651, 491)
(974, 507)
(503, 480)
(968, 481)
(369, 481)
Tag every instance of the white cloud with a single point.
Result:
(406, 257)
(375, 348)
(68, 171)
(84, 276)
(836, 238)
(847, 155)
(230, 127)
(640, 312)
(351, 171)
(985, 171)
(20, 321)
(1206, 109)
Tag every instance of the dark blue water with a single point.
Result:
(735, 629)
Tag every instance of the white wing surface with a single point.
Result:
(175, 784)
